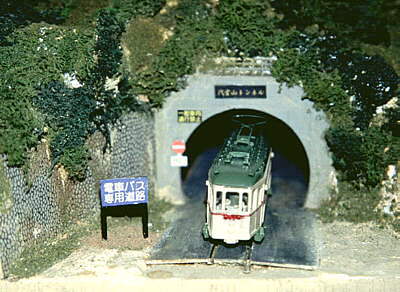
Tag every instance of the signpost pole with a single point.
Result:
(145, 221)
(103, 216)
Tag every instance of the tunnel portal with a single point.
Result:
(201, 116)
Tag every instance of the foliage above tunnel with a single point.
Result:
(38, 55)
(17, 14)
(356, 20)
(194, 36)
(56, 80)
(314, 48)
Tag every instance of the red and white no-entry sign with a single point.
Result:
(178, 146)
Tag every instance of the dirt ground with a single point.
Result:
(359, 249)
(345, 249)
(125, 237)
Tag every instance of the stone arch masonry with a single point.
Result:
(281, 102)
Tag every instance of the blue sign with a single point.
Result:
(123, 191)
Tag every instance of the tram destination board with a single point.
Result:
(240, 91)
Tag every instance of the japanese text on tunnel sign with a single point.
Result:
(124, 191)
(189, 116)
(240, 91)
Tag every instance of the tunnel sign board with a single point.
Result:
(189, 116)
(240, 91)
(123, 191)
(179, 161)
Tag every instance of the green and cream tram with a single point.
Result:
(238, 185)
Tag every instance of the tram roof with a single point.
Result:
(241, 161)
(233, 178)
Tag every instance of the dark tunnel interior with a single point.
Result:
(290, 166)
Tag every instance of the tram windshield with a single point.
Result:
(232, 201)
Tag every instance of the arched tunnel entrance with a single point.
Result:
(301, 167)
(287, 226)
(290, 168)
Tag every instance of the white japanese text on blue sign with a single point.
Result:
(124, 191)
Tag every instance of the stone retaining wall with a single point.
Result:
(42, 202)
(390, 193)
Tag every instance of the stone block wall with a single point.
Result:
(44, 201)
(390, 192)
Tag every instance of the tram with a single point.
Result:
(239, 184)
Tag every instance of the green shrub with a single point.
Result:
(369, 79)
(393, 121)
(109, 104)
(109, 30)
(38, 54)
(327, 93)
(75, 160)
(19, 126)
(17, 14)
(75, 113)
(350, 204)
(357, 20)
(330, 74)
(247, 27)
(67, 112)
(361, 156)
(129, 9)
(294, 68)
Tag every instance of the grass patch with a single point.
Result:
(357, 206)
(143, 40)
(350, 205)
(44, 253)
(83, 12)
(5, 191)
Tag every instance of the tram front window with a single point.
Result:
(219, 201)
(232, 201)
(245, 200)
